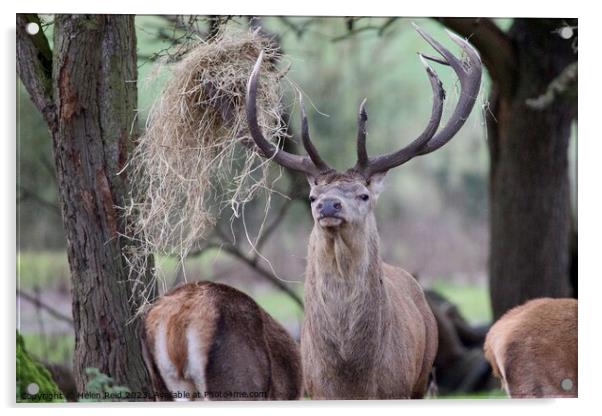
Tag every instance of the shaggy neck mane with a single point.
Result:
(344, 296)
(346, 255)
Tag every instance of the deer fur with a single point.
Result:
(368, 331)
(209, 341)
(533, 349)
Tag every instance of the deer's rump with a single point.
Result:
(215, 343)
(533, 349)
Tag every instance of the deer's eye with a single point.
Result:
(364, 197)
(312, 199)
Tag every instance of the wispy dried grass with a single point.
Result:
(190, 164)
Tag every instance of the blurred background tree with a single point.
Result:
(533, 105)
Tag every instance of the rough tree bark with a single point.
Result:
(529, 181)
(86, 90)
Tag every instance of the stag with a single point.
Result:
(209, 341)
(368, 331)
(532, 349)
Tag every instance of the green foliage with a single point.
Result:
(48, 269)
(38, 217)
(51, 348)
(34, 383)
(102, 387)
(279, 305)
(493, 394)
(471, 299)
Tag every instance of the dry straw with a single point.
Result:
(191, 162)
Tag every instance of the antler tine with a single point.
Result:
(470, 82)
(385, 162)
(362, 153)
(307, 143)
(469, 74)
(268, 149)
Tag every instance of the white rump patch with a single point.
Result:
(197, 361)
(168, 370)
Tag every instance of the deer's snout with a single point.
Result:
(329, 207)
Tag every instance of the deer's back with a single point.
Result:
(533, 349)
(214, 337)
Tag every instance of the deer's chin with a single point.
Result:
(330, 222)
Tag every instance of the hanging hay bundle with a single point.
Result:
(190, 164)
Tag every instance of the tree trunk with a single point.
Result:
(529, 182)
(94, 78)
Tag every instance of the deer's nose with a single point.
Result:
(329, 207)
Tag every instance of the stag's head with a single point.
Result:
(348, 198)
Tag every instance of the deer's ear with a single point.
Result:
(313, 181)
(376, 183)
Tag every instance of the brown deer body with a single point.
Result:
(208, 341)
(368, 331)
(533, 349)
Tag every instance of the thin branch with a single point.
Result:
(178, 36)
(386, 25)
(564, 85)
(215, 23)
(353, 29)
(28, 194)
(235, 252)
(47, 165)
(495, 47)
(274, 224)
(180, 274)
(296, 29)
(225, 244)
(35, 301)
(34, 65)
(178, 22)
(256, 23)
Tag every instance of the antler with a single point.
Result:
(470, 81)
(312, 165)
(429, 140)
